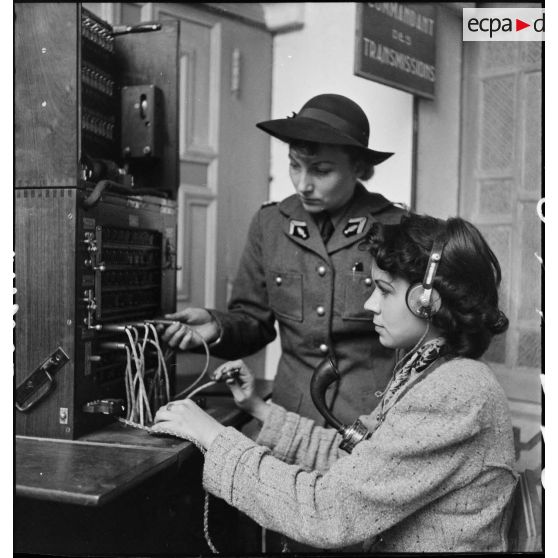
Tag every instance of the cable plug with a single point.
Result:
(230, 374)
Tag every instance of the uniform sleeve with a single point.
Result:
(427, 447)
(248, 325)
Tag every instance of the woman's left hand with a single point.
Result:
(185, 418)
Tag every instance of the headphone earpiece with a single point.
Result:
(421, 303)
(423, 300)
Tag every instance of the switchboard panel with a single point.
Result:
(95, 220)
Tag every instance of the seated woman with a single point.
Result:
(436, 474)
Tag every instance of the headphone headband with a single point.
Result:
(433, 262)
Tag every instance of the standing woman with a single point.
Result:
(436, 471)
(301, 267)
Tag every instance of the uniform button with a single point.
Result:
(278, 280)
(321, 270)
(320, 310)
(323, 348)
(368, 281)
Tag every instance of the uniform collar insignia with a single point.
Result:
(299, 229)
(354, 226)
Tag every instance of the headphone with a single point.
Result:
(423, 300)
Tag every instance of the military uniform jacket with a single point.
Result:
(316, 294)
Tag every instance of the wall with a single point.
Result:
(437, 180)
(318, 59)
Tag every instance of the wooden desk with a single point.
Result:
(98, 467)
(117, 490)
(83, 473)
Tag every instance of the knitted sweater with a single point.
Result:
(436, 475)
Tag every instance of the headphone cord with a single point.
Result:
(148, 429)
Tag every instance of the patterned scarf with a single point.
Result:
(419, 361)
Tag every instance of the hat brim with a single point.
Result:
(308, 129)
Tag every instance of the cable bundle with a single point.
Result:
(159, 390)
(141, 403)
(144, 396)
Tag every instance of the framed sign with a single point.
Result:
(396, 45)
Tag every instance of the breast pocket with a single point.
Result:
(285, 294)
(358, 288)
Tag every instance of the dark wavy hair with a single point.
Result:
(467, 277)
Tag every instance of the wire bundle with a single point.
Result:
(136, 394)
(159, 389)
(145, 395)
(142, 401)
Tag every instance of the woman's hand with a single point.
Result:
(191, 325)
(184, 418)
(243, 388)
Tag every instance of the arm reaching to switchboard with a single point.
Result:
(185, 419)
(186, 324)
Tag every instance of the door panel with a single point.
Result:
(500, 186)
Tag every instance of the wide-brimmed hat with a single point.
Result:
(328, 118)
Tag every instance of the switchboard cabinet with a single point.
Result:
(96, 176)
